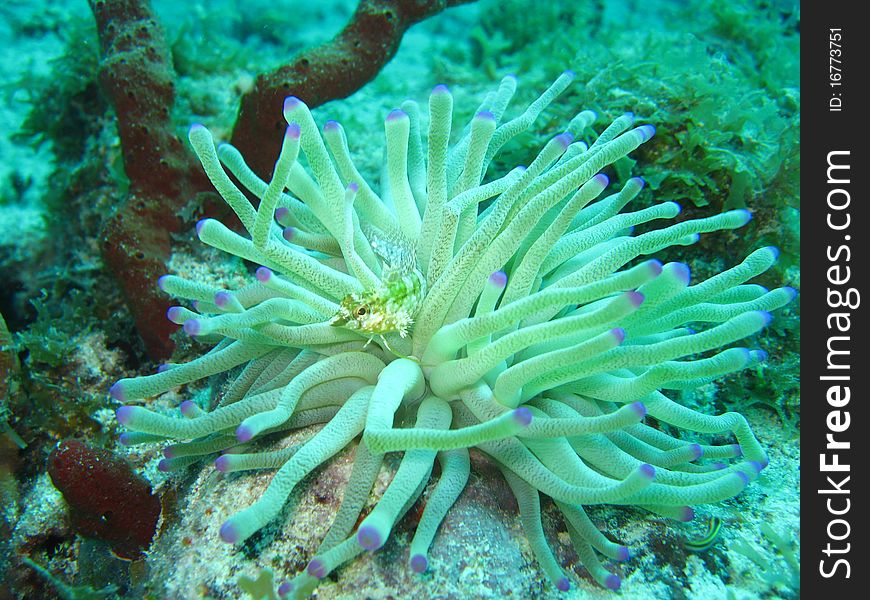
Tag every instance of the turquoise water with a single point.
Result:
(102, 193)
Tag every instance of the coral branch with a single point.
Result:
(10, 370)
(136, 74)
(327, 72)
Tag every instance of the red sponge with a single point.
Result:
(107, 500)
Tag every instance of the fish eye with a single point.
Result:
(361, 311)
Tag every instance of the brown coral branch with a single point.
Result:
(137, 76)
(9, 365)
(10, 370)
(327, 72)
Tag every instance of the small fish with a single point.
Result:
(706, 542)
(392, 305)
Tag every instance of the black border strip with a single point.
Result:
(835, 263)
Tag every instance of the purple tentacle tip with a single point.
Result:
(682, 272)
(263, 274)
(764, 461)
(639, 408)
(161, 282)
(353, 186)
(743, 476)
(222, 299)
(564, 139)
(168, 452)
(623, 554)
(697, 451)
(766, 317)
(756, 465)
(244, 433)
(738, 451)
(125, 439)
(602, 180)
(523, 416)
(397, 114)
(125, 414)
(173, 313)
(688, 514)
(792, 293)
(316, 568)
(563, 585)
(719, 466)
(288, 233)
(330, 125)
(569, 73)
(619, 334)
(647, 470)
(117, 391)
(285, 588)
(747, 216)
(646, 131)
(639, 181)
(200, 224)
(655, 266)
(281, 212)
(229, 533)
(440, 89)
(419, 563)
(498, 279)
(291, 103)
(293, 130)
(164, 465)
(485, 115)
(613, 582)
(636, 298)
(192, 327)
(188, 407)
(164, 367)
(369, 538)
(773, 250)
(222, 463)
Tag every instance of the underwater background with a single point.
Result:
(720, 81)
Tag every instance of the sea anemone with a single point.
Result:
(510, 313)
